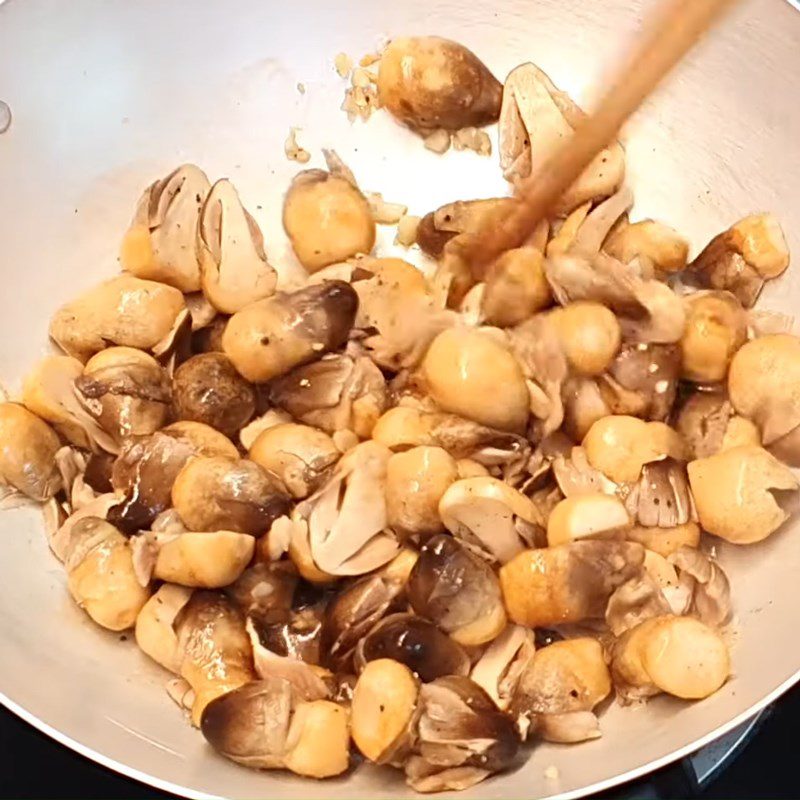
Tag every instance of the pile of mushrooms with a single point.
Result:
(426, 518)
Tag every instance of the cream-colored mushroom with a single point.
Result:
(416, 481)
(160, 243)
(677, 655)
(28, 448)
(501, 665)
(490, 517)
(662, 246)
(301, 456)
(589, 334)
(741, 493)
(347, 523)
(318, 742)
(155, 625)
(535, 118)
(233, 266)
(469, 373)
(123, 311)
(619, 446)
(208, 560)
(516, 287)
(584, 516)
(101, 576)
(567, 583)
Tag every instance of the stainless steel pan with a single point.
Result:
(107, 94)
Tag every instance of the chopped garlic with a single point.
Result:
(385, 213)
(293, 150)
(343, 64)
(362, 78)
(369, 59)
(360, 101)
(301, 87)
(407, 230)
(438, 141)
(473, 139)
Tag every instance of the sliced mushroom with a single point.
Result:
(716, 327)
(559, 689)
(49, 392)
(535, 118)
(347, 524)
(264, 588)
(587, 516)
(272, 336)
(648, 310)
(207, 388)
(662, 246)
(576, 476)
(156, 625)
(661, 498)
(501, 665)
(584, 404)
(677, 655)
(516, 287)
(216, 656)
(741, 493)
(207, 560)
(415, 642)
(234, 270)
(642, 380)
(428, 83)
(461, 737)
(384, 709)
(59, 536)
(123, 311)
(28, 448)
(469, 373)
(327, 219)
(416, 480)
(640, 598)
(100, 574)
(339, 392)
(458, 591)
(148, 465)
(568, 583)
(619, 446)
(160, 243)
(126, 391)
(490, 518)
(706, 584)
(214, 493)
(742, 258)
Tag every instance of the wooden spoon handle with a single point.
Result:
(668, 35)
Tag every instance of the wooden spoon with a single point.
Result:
(675, 26)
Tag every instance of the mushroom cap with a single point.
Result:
(207, 388)
(428, 82)
(264, 588)
(583, 516)
(590, 335)
(469, 373)
(155, 625)
(28, 448)
(738, 493)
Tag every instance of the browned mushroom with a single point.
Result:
(458, 591)
(207, 388)
(264, 588)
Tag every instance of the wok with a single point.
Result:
(106, 95)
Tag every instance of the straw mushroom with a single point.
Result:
(300, 456)
(742, 258)
(264, 588)
(590, 336)
(665, 540)
(716, 327)
(556, 694)
(126, 391)
(234, 270)
(677, 655)
(338, 392)
(458, 591)
(123, 311)
(415, 642)
(156, 624)
(503, 662)
(215, 652)
(428, 82)
(660, 245)
(742, 495)
(268, 338)
(207, 388)
(159, 245)
(584, 516)
(214, 493)
(461, 737)
(490, 517)
(516, 287)
(469, 373)
(416, 480)
(327, 219)
(567, 583)
(101, 576)
(28, 448)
